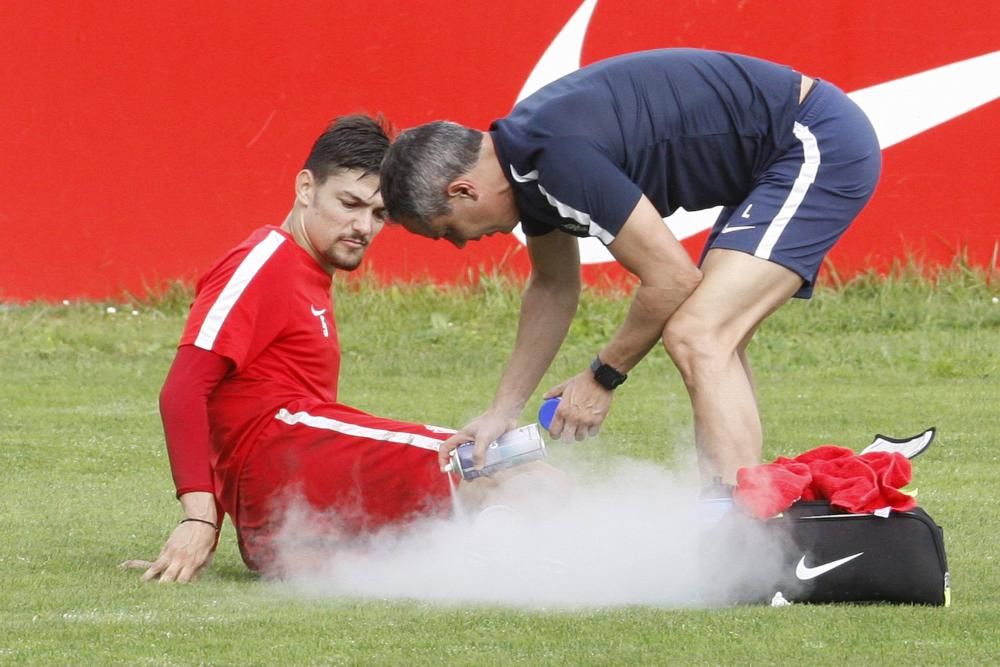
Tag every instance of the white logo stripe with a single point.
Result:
(563, 54)
(905, 107)
(327, 424)
(527, 178)
(807, 174)
(565, 210)
(244, 273)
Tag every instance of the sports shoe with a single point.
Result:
(715, 503)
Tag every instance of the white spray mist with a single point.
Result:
(631, 533)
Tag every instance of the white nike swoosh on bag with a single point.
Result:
(737, 228)
(898, 109)
(805, 573)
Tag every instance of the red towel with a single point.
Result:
(851, 482)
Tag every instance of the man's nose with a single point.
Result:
(364, 222)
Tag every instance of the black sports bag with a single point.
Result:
(833, 556)
(816, 554)
(838, 557)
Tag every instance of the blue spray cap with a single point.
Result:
(547, 411)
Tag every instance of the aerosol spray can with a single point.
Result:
(513, 448)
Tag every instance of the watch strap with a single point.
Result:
(606, 375)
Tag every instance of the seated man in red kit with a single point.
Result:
(249, 406)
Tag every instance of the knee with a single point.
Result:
(694, 345)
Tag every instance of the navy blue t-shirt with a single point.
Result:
(687, 128)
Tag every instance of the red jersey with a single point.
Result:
(266, 307)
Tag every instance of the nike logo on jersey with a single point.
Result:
(805, 573)
(322, 320)
(737, 228)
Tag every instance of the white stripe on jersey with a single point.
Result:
(806, 177)
(565, 210)
(325, 423)
(244, 273)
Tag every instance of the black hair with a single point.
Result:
(356, 141)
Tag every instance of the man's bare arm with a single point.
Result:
(649, 250)
(547, 308)
(668, 276)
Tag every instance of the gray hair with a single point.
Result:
(420, 164)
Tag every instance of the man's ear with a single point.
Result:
(304, 185)
(462, 188)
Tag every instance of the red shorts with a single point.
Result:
(335, 471)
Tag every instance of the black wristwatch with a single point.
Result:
(607, 376)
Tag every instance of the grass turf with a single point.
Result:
(86, 481)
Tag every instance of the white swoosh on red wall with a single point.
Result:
(899, 109)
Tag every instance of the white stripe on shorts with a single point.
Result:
(327, 424)
(238, 282)
(806, 177)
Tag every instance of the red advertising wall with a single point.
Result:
(140, 140)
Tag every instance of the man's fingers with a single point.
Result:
(187, 550)
(557, 425)
(174, 571)
(170, 574)
(153, 572)
(136, 564)
(479, 453)
(444, 451)
(556, 390)
(480, 442)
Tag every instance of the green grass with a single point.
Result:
(86, 482)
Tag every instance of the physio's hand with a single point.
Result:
(483, 430)
(187, 552)
(582, 410)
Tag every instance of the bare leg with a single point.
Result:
(745, 362)
(522, 487)
(707, 339)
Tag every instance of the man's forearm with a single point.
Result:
(193, 375)
(547, 309)
(643, 326)
(650, 251)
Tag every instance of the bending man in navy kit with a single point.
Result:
(610, 150)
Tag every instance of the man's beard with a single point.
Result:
(346, 262)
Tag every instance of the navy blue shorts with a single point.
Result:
(804, 201)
